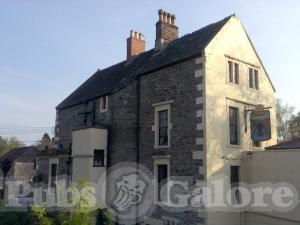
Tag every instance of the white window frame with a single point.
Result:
(158, 108)
(234, 105)
(234, 81)
(161, 160)
(102, 109)
(52, 161)
(256, 82)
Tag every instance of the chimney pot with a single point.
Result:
(173, 19)
(166, 30)
(135, 44)
(169, 18)
(164, 16)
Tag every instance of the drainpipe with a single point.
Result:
(138, 101)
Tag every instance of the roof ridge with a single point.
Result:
(119, 75)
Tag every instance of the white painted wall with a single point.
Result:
(231, 41)
(274, 166)
(83, 144)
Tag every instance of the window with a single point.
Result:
(230, 71)
(53, 174)
(98, 158)
(170, 221)
(103, 104)
(235, 183)
(233, 71)
(236, 73)
(162, 175)
(256, 81)
(256, 144)
(162, 126)
(233, 125)
(253, 78)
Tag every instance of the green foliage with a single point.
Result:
(82, 213)
(7, 144)
(284, 114)
(16, 218)
(295, 125)
(107, 219)
(40, 214)
(288, 123)
(46, 143)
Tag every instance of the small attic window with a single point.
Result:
(103, 104)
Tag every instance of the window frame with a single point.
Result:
(236, 73)
(103, 158)
(161, 160)
(233, 70)
(52, 161)
(253, 75)
(256, 79)
(235, 200)
(230, 71)
(105, 100)
(237, 143)
(155, 128)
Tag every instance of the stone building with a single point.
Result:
(178, 109)
(19, 164)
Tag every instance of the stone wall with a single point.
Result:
(178, 84)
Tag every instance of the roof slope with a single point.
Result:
(292, 144)
(22, 154)
(118, 76)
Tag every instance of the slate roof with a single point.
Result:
(114, 78)
(22, 154)
(292, 144)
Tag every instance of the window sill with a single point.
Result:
(233, 84)
(103, 111)
(233, 146)
(161, 146)
(253, 89)
(98, 166)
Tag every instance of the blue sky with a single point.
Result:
(48, 48)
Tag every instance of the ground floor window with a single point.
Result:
(53, 174)
(98, 158)
(235, 182)
(162, 175)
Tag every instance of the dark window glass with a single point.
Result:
(251, 84)
(163, 127)
(256, 143)
(103, 103)
(235, 182)
(201, 80)
(162, 176)
(53, 174)
(233, 125)
(256, 79)
(230, 71)
(236, 73)
(201, 93)
(98, 157)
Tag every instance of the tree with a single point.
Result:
(7, 144)
(83, 213)
(284, 114)
(295, 125)
(46, 142)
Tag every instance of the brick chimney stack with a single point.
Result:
(166, 30)
(135, 44)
